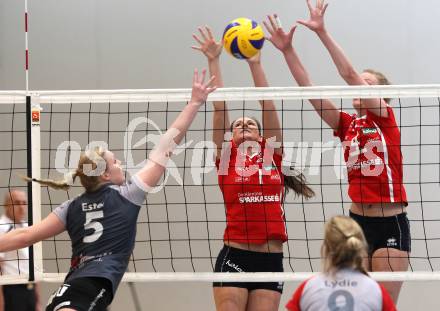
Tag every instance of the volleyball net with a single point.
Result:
(180, 227)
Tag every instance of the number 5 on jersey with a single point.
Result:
(96, 226)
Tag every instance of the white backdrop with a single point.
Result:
(106, 44)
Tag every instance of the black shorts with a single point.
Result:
(19, 297)
(232, 259)
(385, 232)
(82, 294)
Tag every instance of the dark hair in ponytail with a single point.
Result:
(298, 184)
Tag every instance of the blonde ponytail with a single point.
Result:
(344, 245)
(89, 160)
(54, 184)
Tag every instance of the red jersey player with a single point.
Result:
(252, 183)
(344, 284)
(371, 139)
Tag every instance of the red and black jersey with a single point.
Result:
(373, 156)
(253, 188)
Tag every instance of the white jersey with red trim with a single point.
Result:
(373, 156)
(347, 289)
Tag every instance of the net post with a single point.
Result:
(34, 165)
(29, 185)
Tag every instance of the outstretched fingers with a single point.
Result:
(303, 22)
(281, 39)
(206, 43)
(209, 87)
(274, 26)
(210, 81)
(292, 31)
(197, 39)
(277, 21)
(324, 9)
(209, 32)
(202, 78)
(309, 5)
(195, 47)
(321, 7)
(200, 88)
(268, 28)
(273, 22)
(319, 4)
(202, 33)
(195, 76)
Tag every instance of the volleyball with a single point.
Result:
(243, 38)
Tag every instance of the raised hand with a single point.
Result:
(316, 20)
(200, 89)
(207, 44)
(279, 38)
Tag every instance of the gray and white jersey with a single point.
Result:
(102, 228)
(345, 290)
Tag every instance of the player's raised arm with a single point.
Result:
(283, 42)
(343, 64)
(158, 158)
(212, 50)
(271, 121)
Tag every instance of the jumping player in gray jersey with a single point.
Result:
(101, 222)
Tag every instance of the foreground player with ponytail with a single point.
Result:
(253, 184)
(101, 222)
(344, 283)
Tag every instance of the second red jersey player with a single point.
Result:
(253, 189)
(373, 156)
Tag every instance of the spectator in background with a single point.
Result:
(19, 297)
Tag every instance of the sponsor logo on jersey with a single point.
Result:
(275, 177)
(240, 179)
(366, 163)
(259, 198)
(369, 130)
(270, 168)
(79, 261)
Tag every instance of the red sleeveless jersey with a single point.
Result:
(373, 156)
(252, 188)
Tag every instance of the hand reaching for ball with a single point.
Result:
(207, 44)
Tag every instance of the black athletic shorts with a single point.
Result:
(19, 297)
(232, 259)
(82, 294)
(385, 232)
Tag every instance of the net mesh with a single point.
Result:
(180, 227)
(13, 155)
